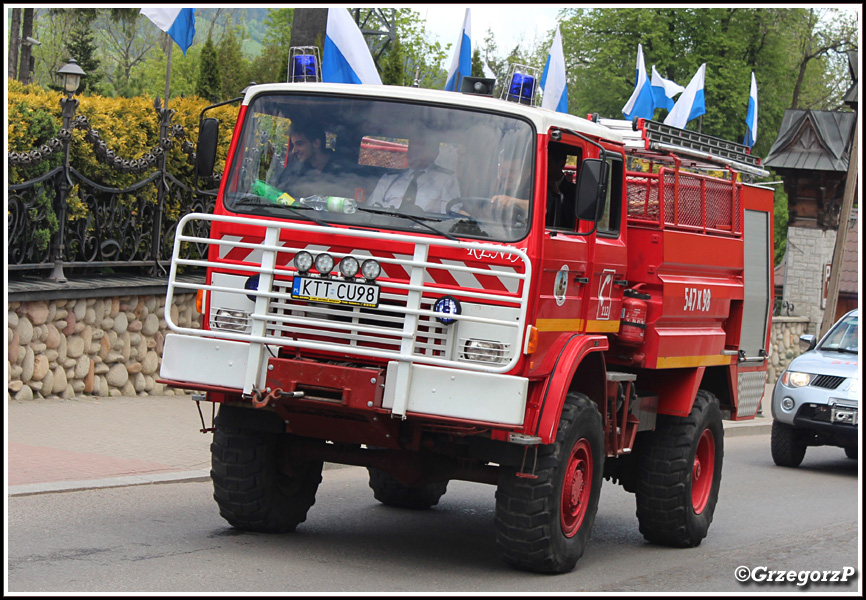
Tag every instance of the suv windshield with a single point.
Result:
(384, 164)
(843, 337)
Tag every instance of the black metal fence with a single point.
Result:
(121, 229)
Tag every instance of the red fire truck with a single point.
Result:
(465, 335)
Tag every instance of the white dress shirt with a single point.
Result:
(436, 186)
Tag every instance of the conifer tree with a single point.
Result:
(208, 84)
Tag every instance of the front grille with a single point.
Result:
(379, 328)
(829, 382)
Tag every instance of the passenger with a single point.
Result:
(424, 186)
(314, 168)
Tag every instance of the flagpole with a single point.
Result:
(168, 71)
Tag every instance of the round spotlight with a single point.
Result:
(303, 261)
(787, 404)
(446, 305)
(349, 267)
(370, 269)
(325, 264)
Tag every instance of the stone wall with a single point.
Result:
(113, 346)
(808, 251)
(91, 346)
(785, 344)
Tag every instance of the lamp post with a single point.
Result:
(70, 76)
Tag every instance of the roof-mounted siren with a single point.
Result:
(521, 84)
(304, 64)
(478, 86)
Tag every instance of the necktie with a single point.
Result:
(411, 191)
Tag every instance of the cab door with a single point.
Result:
(608, 257)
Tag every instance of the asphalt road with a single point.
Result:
(164, 538)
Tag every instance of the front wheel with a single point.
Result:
(249, 488)
(543, 524)
(786, 445)
(680, 471)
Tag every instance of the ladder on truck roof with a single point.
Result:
(656, 141)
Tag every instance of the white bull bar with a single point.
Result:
(267, 327)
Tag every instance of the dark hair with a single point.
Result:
(557, 152)
(311, 130)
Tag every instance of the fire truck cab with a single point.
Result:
(411, 307)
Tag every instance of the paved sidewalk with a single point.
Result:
(61, 445)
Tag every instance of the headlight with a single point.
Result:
(795, 379)
(230, 320)
(484, 351)
(325, 264)
(303, 261)
(349, 267)
(370, 269)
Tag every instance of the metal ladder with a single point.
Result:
(654, 140)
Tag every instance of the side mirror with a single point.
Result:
(205, 152)
(807, 342)
(592, 189)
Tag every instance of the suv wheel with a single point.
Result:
(787, 445)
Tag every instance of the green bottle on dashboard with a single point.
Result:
(269, 192)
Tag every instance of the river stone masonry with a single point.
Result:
(91, 346)
(113, 346)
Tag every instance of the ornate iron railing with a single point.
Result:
(120, 228)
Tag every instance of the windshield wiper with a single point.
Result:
(846, 350)
(416, 219)
(250, 199)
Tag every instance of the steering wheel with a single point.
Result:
(466, 206)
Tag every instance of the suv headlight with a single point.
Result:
(795, 379)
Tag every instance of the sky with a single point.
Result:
(511, 23)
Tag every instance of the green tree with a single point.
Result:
(421, 58)
(393, 65)
(208, 82)
(477, 63)
(235, 67)
(82, 48)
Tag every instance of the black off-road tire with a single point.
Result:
(251, 491)
(390, 492)
(538, 527)
(787, 445)
(679, 474)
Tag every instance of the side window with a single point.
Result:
(562, 167)
(611, 218)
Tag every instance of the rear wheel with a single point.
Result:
(787, 445)
(544, 524)
(680, 474)
(251, 491)
(390, 492)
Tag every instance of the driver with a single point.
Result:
(424, 185)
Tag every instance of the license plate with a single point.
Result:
(844, 415)
(336, 291)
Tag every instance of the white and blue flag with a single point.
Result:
(178, 23)
(553, 83)
(664, 90)
(346, 57)
(461, 66)
(752, 115)
(691, 103)
(641, 102)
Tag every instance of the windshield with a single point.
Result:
(843, 337)
(384, 164)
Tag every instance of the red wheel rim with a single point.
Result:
(703, 470)
(576, 488)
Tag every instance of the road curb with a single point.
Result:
(55, 487)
